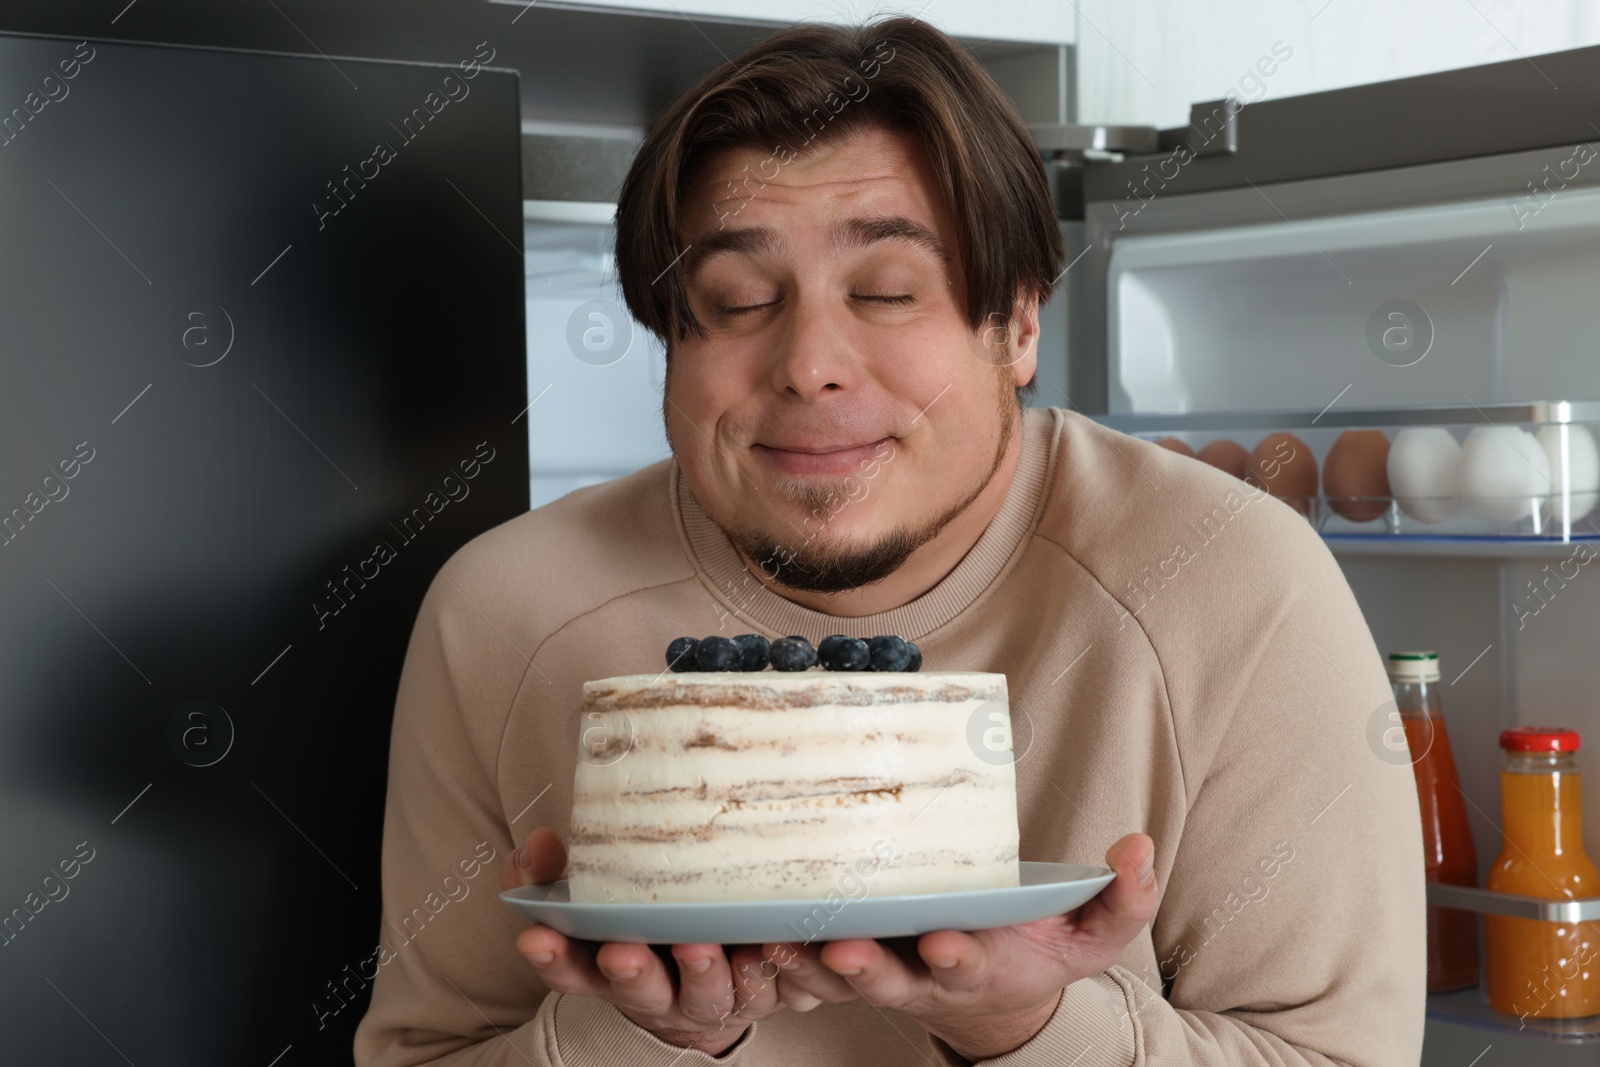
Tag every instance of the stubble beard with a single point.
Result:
(819, 568)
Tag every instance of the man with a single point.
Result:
(844, 237)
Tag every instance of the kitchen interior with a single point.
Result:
(1363, 230)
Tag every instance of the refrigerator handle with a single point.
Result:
(1066, 148)
(1073, 139)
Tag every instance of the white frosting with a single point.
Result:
(734, 786)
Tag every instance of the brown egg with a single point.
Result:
(1355, 476)
(1172, 444)
(1284, 466)
(1227, 456)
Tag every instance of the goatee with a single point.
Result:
(814, 568)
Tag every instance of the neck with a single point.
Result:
(928, 565)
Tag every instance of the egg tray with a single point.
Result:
(1512, 472)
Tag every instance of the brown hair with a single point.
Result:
(815, 83)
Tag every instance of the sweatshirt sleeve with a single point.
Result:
(1292, 925)
(449, 988)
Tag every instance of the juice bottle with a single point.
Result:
(1539, 969)
(1448, 853)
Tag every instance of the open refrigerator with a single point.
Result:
(1418, 257)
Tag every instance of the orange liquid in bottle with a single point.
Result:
(1540, 969)
(1448, 853)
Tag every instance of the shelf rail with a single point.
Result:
(1489, 902)
(1541, 412)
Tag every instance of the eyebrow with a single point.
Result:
(857, 232)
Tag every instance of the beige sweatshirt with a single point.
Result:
(1185, 652)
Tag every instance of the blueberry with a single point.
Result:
(718, 654)
(848, 654)
(826, 647)
(753, 649)
(792, 654)
(916, 658)
(681, 653)
(889, 653)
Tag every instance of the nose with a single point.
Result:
(814, 353)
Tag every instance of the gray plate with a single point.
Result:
(1046, 889)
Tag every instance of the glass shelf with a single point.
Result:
(1537, 411)
(1455, 548)
(1470, 1007)
(1488, 480)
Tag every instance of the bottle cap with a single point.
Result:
(1413, 666)
(1539, 739)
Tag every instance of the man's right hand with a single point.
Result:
(716, 997)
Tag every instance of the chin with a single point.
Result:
(834, 566)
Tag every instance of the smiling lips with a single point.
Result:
(829, 459)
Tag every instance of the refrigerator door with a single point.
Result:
(258, 383)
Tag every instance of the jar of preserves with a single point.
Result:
(1536, 968)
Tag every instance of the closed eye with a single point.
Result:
(745, 309)
(897, 298)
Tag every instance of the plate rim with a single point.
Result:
(519, 894)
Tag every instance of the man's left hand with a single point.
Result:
(987, 992)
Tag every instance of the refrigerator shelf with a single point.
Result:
(1552, 548)
(1530, 412)
(1470, 1007)
(1489, 902)
(1462, 479)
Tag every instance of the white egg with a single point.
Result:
(1579, 475)
(1424, 472)
(1504, 473)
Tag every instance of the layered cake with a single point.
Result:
(792, 784)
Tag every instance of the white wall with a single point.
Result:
(1046, 21)
(1145, 61)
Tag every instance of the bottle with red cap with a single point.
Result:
(1535, 968)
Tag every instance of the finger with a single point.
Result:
(514, 872)
(1125, 906)
(790, 995)
(875, 973)
(509, 878)
(956, 961)
(564, 964)
(541, 859)
(639, 980)
(793, 997)
(805, 972)
(755, 984)
(705, 982)
(546, 854)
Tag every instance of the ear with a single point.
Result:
(1024, 355)
(1014, 343)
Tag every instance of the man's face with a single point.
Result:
(840, 411)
